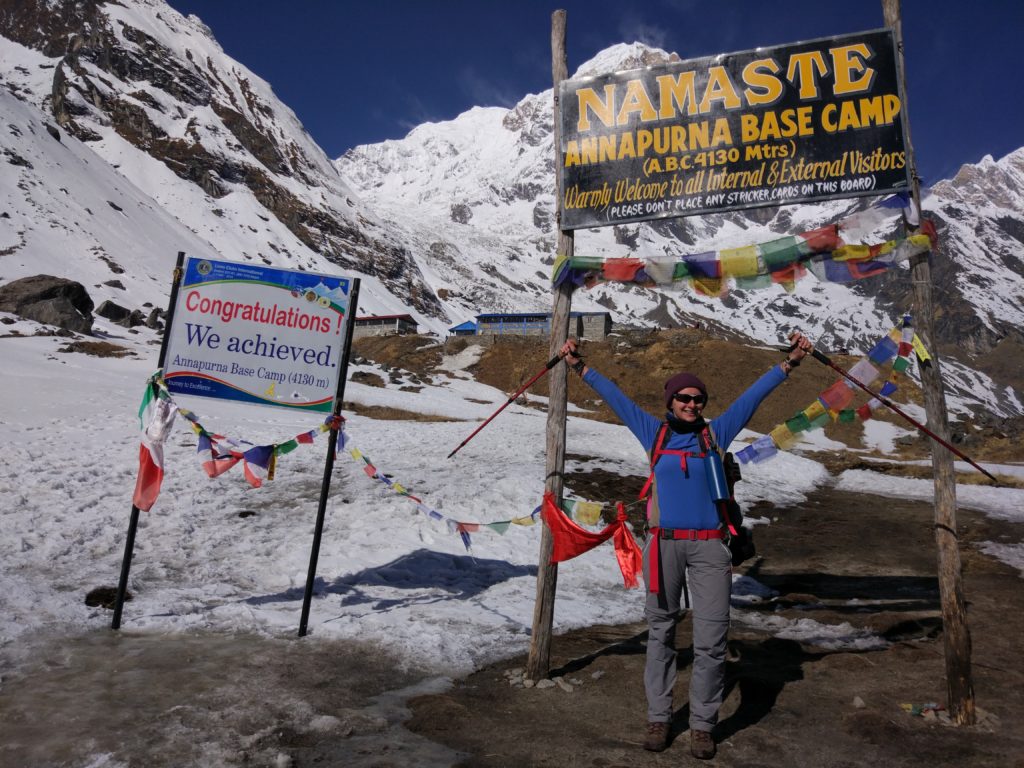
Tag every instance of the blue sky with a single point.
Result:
(362, 72)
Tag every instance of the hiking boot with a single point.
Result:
(657, 737)
(702, 746)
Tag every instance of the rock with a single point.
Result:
(105, 597)
(560, 682)
(135, 317)
(528, 683)
(113, 311)
(543, 684)
(858, 702)
(153, 320)
(50, 300)
(597, 675)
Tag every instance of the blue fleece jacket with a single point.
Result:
(683, 499)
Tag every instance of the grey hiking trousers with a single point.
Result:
(706, 567)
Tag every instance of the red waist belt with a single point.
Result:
(687, 534)
(690, 534)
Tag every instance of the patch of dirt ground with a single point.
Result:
(837, 558)
(640, 361)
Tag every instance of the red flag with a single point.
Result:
(570, 540)
(147, 485)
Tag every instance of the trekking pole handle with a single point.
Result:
(821, 357)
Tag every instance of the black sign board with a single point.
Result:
(804, 122)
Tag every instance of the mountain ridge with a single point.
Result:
(456, 219)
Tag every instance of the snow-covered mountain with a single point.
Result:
(144, 94)
(130, 135)
(481, 187)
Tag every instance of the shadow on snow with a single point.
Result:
(426, 576)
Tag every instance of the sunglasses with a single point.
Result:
(687, 399)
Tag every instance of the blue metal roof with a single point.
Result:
(544, 315)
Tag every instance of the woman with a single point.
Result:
(687, 546)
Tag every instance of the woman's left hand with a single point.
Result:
(802, 346)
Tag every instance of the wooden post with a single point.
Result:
(538, 663)
(956, 634)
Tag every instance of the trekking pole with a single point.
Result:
(822, 358)
(550, 364)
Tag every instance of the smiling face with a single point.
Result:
(688, 411)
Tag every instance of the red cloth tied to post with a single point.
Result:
(570, 540)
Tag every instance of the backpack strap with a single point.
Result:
(655, 453)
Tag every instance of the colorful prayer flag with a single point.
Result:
(156, 415)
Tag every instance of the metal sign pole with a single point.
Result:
(325, 488)
(133, 520)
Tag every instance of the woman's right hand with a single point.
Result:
(569, 351)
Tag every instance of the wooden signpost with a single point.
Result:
(956, 633)
(538, 662)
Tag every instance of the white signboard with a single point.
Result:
(257, 334)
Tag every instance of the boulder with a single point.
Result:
(113, 311)
(135, 317)
(50, 300)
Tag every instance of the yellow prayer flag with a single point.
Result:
(522, 521)
(739, 262)
(356, 454)
(851, 253)
(919, 350)
(814, 410)
(398, 488)
(588, 512)
(707, 286)
(783, 437)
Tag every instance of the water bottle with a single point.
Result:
(715, 472)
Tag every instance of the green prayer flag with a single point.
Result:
(500, 527)
(286, 447)
(782, 251)
(848, 414)
(586, 262)
(799, 423)
(821, 420)
(900, 364)
(681, 271)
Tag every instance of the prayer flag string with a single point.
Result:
(822, 252)
(834, 403)
(586, 512)
(219, 453)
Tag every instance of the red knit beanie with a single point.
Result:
(682, 381)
